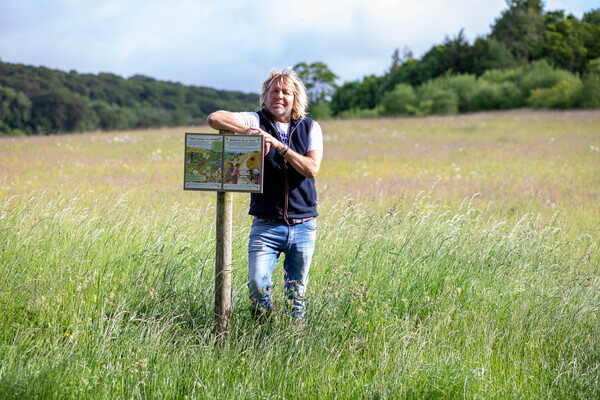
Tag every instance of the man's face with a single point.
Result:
(280, 100)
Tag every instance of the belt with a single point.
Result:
(290, 221)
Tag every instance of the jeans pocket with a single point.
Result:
(259, 221)
(311, 225)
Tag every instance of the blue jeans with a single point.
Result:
(268, 240)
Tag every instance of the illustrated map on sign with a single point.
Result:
(223, 162)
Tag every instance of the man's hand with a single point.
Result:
(306, 164)
(268, 139)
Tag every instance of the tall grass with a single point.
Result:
(107, 268)
(407, 299)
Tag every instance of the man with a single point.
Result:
(284, 214)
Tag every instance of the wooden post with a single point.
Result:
(223, 261)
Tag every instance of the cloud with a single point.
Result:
(575, 7)
(233, 44)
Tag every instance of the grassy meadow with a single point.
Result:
(457, 257)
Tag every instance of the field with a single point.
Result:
(457, 257)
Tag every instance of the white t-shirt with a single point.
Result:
(315, 138)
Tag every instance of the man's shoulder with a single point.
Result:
(249, 118)
(249, 113)
(312, 124)
(307, 121)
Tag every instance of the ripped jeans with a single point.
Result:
(268, 239)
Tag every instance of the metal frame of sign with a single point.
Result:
(206, 142)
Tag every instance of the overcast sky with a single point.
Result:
(232, 44)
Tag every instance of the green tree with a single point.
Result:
(489, 53)
(399, 60)
(57, 111)
(454, 55)
(345, 97)
(396, 61)
(41, 100)
(592, 38)
(589, 96)
(520, 27)
(399, 100)
(564, 42)
(318, 79)
(410, 72)
(15, 109)
(368, 93)
(457, 55)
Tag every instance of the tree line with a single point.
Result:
(531, 58)
(41, 101)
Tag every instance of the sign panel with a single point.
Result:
(243, 163)
(223, 162)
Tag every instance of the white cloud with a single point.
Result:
(233, 44)
(575, 7)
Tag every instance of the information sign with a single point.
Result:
(223, 162)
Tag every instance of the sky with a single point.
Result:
(233, 44)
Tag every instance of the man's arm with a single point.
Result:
(225, 120)
(307, 165)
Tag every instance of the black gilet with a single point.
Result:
(286, 193)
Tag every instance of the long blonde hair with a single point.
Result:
(287, 75)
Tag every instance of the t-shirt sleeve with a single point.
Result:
(247, 118)
(315, 140)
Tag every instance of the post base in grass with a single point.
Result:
(223, 263)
